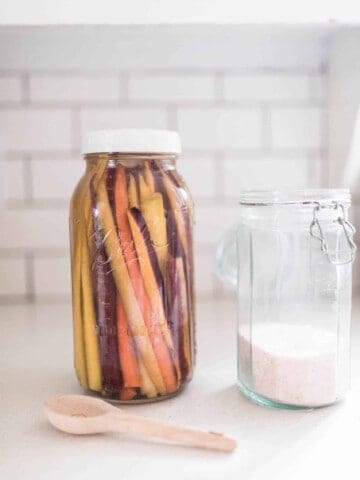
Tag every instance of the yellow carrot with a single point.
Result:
(144, 190)
(176, 203)
(86, 352)
(76, 230)
(90, 330)
(147, 387)
(133, 196)
(184, 309)
(153, 211)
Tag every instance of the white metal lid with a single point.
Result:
(131, 141)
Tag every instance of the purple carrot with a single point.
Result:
(175, 315)
(105, 296)
(188, 266)
(138, 217)
(186, 255)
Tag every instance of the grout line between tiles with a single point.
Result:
(28, 178)
(75, 128)
(185, 70)
(154, 104)
(25, 89)
(219, 187)
(219, 88)
(325, 163)
(172, 117)
(124, 89)
(266, 128)
(30, 276)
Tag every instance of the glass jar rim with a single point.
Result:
(306, 196)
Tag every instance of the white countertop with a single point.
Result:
(36, 362)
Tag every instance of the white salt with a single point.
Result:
(293, 364)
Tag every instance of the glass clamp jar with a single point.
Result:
(131, 222)
(291, 258)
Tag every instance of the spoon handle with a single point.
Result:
(186, 436)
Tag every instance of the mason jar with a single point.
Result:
(292, 270)
(131, 222)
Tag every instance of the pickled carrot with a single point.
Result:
(105, 299)
(184, 309)
(149, 179)
(145, 298)
(126, 290)
(147, 387)
(156, 322)
(153, 211)
(174, 313)
(90, 333)
(179, 228)
(127, 354)
(76, 243)
(132, 198)
(87, 363)
(127, 393)
(175, 193)
(144, 190)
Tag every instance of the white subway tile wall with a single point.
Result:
(268, 87)
(57, 180)
(32, 227)
(13, 283)
(73, 89)
(296, 128)
(262, 172)
(14, 185)
(11, 90)
(221, 128)
(129, 116)
(48, 285)
(172, 88)
(252, 129)
(35, 129)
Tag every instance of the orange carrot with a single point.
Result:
(127, 354)
(127, 393)
(126, 239)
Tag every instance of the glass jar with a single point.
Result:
(292, 270)
(131, 222)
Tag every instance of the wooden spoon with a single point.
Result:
(82, 415)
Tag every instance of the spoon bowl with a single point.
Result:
(78, 414)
